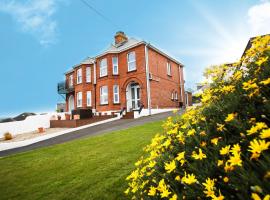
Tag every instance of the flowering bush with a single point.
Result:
(219, 150)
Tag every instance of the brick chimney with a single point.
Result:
(120, 37)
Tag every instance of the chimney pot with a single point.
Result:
(120, 37)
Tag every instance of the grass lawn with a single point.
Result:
(91, 168)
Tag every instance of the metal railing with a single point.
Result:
(64, 88)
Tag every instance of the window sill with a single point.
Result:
(169, 75)
(78, 83)
(116, 103)
(103, 76)
(88, 82)
(104, 104)
(135, 70)
(115, 74)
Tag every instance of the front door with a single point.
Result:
(135, 96)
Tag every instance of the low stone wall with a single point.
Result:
(78, 122)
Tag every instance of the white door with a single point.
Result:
(71, 103)
(135, 96)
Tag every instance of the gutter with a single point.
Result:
(181, 84)
(148, 89)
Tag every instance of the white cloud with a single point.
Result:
(34, 17)
(259, 18)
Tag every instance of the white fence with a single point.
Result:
(31, 123)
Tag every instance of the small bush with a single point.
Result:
(8, 136)
(219, 150)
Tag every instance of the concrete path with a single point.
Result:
(94, 130)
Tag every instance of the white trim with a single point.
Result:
(169, 68)
(88, 98)
(79, 75)
(116, 94)
(70, 81)
(95, 73)
(129, 62)
(103, 64)
(147, 80)
(103, 95)
(88, 74)
(79, 99)
(115, 65)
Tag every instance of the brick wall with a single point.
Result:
(161, 85)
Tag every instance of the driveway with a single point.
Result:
(94, 130)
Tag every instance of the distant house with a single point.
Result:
(131, 74)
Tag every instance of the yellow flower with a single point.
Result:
(152, 191)
(169, 167)
(189, 179)
(256, 128)
(225, 179)
(209, 184)
(228, 167)
(250, 85)
(203, 144)
(220, 162)
(235, 149)
(165, 193)
(214, 141)
(203, 133)
(220, 127)
(177, 178)
(230, 117)
(180, 156)
(255, 196)
(261, 60)
(127, 191)
(265, 134)
(220, 197)
(199, 156)
(225, 150)
(235, 160)
(257, 146)
(227, 89)
(265, 82)
(174, 197)
(191, 132)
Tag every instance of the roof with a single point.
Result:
(130, 43)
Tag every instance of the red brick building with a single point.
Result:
(130, 74)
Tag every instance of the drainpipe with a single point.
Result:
(181, 84)
(147, 79)
(95, 82)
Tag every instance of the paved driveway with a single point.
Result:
(94, 130)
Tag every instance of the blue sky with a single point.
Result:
(41, 39)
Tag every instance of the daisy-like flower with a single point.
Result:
(230, 117)
(225, 150)
(169, 167)
(198, 156)
(189, 179)
(257, 147)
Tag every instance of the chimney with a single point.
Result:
(120, 37)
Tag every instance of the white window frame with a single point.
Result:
(88, 98)
(169, 68)
(172, 96)
(116, 95)
(70, 82)
(115, 72)
(79, 76)
(103, 67)
(175, 95)
(104, 95)
(88, 74)
(131, 61)
(79, 99)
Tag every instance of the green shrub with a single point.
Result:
(219, 150)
